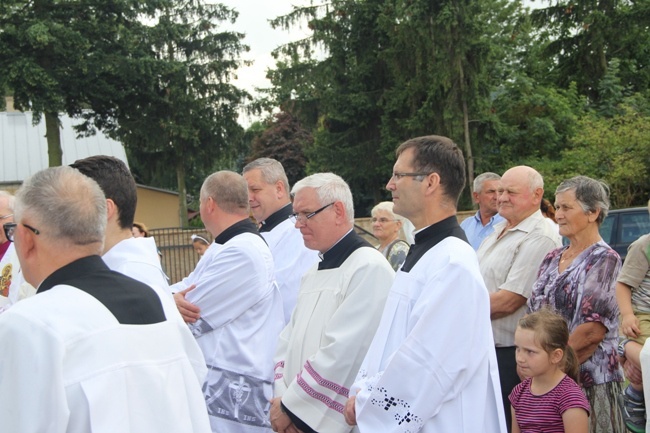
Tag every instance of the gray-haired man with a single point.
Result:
(93, 349)
(479, 226)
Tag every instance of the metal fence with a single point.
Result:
(179, 258)
(178, 255)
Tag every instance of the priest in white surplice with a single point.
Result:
(268, 195)
(234, 309)
(93, 350)
(338, 310)
(431, 367)
(134, 257)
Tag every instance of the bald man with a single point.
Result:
(509, 259)
(234, 309)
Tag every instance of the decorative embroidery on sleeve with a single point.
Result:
(330, 403)
(339, 389)
(398, 408)
(279, 370)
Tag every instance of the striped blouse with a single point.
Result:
(543, 413)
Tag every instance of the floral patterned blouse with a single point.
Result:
(396, 253)
(584, 292)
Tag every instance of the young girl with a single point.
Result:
(200, 244)
(549, 399)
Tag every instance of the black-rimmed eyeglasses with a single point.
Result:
(10, 230)
(303, 217)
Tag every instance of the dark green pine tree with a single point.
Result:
(186, 120)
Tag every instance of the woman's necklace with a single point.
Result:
(566, 255)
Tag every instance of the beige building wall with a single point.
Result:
(157, 208)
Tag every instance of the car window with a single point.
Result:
(607, 229)
(633, 226)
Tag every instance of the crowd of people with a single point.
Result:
(292, 322)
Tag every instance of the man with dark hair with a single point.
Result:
(93, 350)
(268, 195)
(431, 366)
(234, 309)
(135, 257)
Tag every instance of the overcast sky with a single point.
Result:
(260, 37)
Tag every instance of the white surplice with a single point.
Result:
(241, 317)
(432, 365)
(321, 349)
(292, 260)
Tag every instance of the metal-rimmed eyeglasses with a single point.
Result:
(303, 217)
(10, 230)
(415, 176)
(381, 220)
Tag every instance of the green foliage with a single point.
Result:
(587, 35)
(614, 149)
(185, 121)
(340, 97)
(154, 74)
(529, 121)
(392, 70)
(283, 139)
(69, 56)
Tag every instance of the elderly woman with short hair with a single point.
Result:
(578, 281)
(386, 226)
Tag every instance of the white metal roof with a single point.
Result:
(23, 147)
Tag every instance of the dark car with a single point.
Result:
(624, 226)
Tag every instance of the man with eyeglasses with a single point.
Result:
(13, 286)
(268, 196)
(339, 305)
(431, 366)
(234, 309)
(93, 349)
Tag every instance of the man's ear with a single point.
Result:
(111, 209)
(339, 210)
(28, 246)
(475, 197)
(432, 182)
(279, 189)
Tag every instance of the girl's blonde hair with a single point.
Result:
(551, 333)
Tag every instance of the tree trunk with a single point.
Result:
(468, 145)
(53, 135)
(182, 192)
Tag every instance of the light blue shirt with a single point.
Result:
(476, 231)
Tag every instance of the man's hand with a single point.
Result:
(350, 412)
(190, 312)
(280, 421)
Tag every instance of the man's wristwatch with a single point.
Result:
(621, 347)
